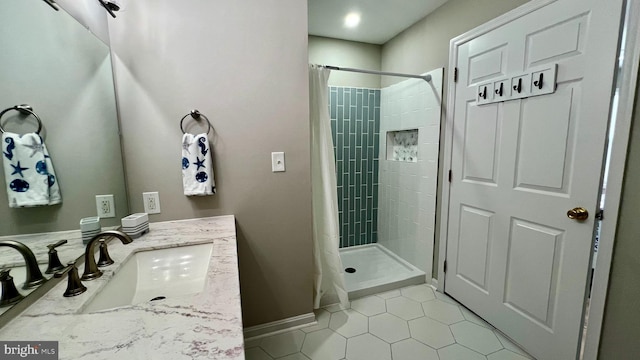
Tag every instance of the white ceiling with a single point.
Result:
(381, 19)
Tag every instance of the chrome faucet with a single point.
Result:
(91, 270)
(34, 276)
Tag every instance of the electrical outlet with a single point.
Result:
(151, 202)
(105, 206)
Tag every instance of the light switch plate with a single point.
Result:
(277, 161)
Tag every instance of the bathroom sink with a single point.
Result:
(155, 274)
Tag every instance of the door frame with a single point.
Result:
(629, 70)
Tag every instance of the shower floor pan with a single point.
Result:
(377, 270)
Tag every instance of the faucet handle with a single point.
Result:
(55, 245)
(104, 259)
(74, 285)
(54, 260)
(10, 294)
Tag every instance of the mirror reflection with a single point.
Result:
(59, 68)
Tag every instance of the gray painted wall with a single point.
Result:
(425, 46)
(328, 51)
(64, 72)
(621, 325)
(244, 65)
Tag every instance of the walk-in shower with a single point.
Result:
(386, 149)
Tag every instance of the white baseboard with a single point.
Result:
(434, 283)
(279, 326)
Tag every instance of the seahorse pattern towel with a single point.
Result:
(197, 167)
(28, 171)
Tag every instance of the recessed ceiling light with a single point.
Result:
(352, 20)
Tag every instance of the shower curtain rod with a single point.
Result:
(423, 77)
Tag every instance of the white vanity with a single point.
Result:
(182, 324)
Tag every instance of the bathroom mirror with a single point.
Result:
(60, 68)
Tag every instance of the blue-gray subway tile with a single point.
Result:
(352, 221)
(339, 147)
(333, 131)
(347, 143)
(358, 160)
(340, 125)
(353, 97)
(358, 185)
(352, 116)
(358, 133)
(347, 99)
(352, 144)
(369, 208)
(352, 196)
(340, 96)
(377, 95)
(376, 146)
(374, 237)
(365, 116)
(363, 239)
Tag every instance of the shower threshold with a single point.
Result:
(376, 270)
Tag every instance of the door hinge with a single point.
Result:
(450, 175)
(445, 266)
(455, 74)
(600, 214)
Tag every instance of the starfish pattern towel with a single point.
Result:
(28, 171)
(197, 167)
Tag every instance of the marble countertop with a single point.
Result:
(207, 325)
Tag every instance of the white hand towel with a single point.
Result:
(28, 171)
(197, 167)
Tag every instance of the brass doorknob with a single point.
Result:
(578, 213)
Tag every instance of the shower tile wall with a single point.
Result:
(407, 188)
(355, 126)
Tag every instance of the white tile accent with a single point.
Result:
(283, 344)
(324, 345)
(349, 323)
(442, 311)
(406, 188)
(476, 337)
(389, 328)
(418, 293)
(404, 308)
(411, 349)
(431, 332)
(367, 347)
(369, 306)
(457, 352)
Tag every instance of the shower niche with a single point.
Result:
(402, 145)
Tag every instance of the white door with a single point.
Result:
(513, 255)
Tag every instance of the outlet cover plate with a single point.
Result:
(105, 206)
(151, 202)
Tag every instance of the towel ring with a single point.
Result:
(195, 114)
(25, 109)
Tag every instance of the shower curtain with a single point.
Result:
(328, 274)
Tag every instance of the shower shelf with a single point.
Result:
(402, 145)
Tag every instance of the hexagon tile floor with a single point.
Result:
(412, 323)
